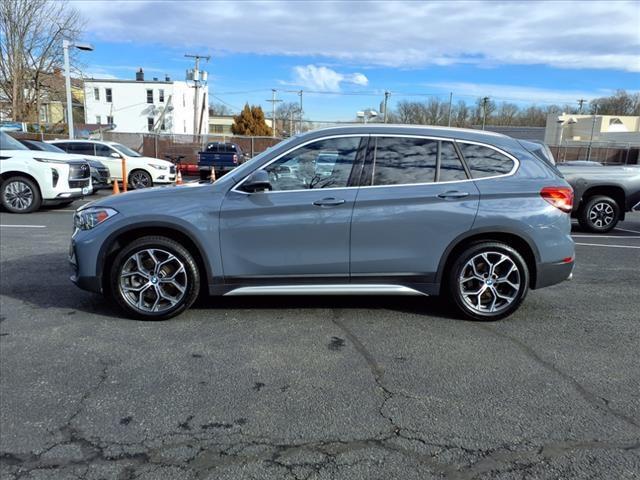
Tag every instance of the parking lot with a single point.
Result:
(321, 387)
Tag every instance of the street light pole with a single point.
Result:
(67, 73)
(67, 82)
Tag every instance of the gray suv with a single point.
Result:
(371, 209)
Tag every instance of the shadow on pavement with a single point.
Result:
(43, 281)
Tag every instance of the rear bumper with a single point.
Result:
(548, 274)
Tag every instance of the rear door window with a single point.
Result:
(451, 168)
(404, 160)
(81, 148)
(484, 161)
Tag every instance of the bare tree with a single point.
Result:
(217, 109)
(32, 32)
(287, 116)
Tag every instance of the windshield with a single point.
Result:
(47, 147)
(7, 142)
(125, 150)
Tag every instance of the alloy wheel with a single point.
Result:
(18, 195)
(601, 214)
(489, 282)
(153, 280)
(139, 180)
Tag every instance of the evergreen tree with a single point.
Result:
(250, 121)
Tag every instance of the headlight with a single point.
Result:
(48, 160)
(92, 217)
(158, 167)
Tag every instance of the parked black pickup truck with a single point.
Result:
(219, 157)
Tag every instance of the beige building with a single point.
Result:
(567, 128)
(221, 124)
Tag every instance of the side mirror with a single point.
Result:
(257, 182)
(115, 155)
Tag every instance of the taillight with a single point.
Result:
(235, 158)
(559, 197)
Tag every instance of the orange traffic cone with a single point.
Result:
(179, 178)
(116, 189)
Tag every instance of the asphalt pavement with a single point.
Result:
(317, 387)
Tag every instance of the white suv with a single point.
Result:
(142, 172)
(30, 179)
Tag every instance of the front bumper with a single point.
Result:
(91, 283)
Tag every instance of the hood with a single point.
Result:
(155, 195)
(59, 157)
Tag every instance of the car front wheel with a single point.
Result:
(600, 214)
(488, 281)
(154, 278)
(140, 179)
(20, 195)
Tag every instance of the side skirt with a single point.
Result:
(336, 289)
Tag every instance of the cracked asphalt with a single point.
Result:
(317, 388)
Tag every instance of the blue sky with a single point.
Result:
(524, 52)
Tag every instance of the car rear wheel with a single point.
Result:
(140, 179)
(20, 195)
(599, 214)
(488, 281)
(154, 278)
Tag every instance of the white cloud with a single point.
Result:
(564, 34)
(324, 78)
(516, 93)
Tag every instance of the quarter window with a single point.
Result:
(401, 161)
(484, 161)
(322, 164)
(451, 168)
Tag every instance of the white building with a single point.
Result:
(569, 128)
(141, 106)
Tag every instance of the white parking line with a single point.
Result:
(23, 226)
(602, 245)
(625, 230)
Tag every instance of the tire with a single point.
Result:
(20, 195)
(135, 287)
(599, 214)
(139, 179)
(511, 290)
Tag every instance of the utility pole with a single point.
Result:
(300, 94)
(450, 103)
(581, 102)
(273, 102)
(196, 85)
(484, 111)
(593, 127)
(387, 94)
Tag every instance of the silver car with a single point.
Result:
(367, 210)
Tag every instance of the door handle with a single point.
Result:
(329, 202)
(453, 194)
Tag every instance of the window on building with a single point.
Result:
(163, 127)
(96, 94)
(149, 95)
(161, 96)
(451, 168)
(109, 119)
(150, 123)
(484, 161)
(184, 125)
(108, 95)
(402, 161)
(98, 119)
(217, 129)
